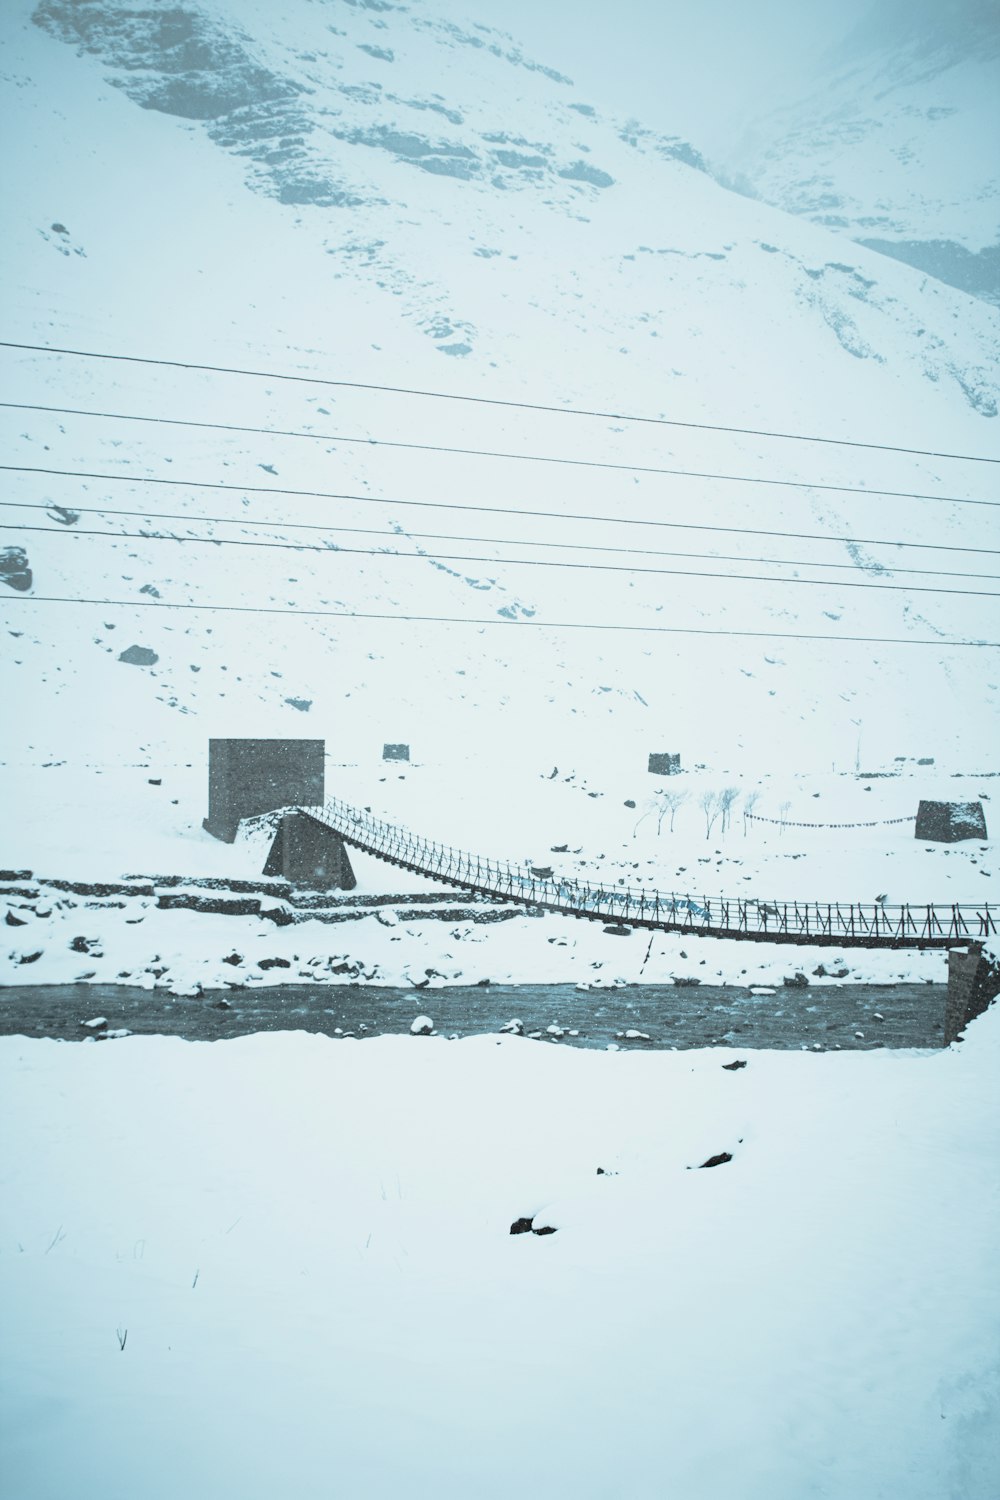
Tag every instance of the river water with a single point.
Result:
(825, 1017)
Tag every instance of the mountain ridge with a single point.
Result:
(133, 231)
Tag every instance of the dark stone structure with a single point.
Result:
(973, 984)
(664, 764)
(950, 822)
(395, 752)
(308, 853)
(247, 777)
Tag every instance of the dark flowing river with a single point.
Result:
(830, 1016)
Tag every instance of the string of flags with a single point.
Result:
(788, 823)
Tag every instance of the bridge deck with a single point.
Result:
(840, 924)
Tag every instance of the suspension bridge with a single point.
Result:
(843, 924)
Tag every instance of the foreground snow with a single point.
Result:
(303, 1246)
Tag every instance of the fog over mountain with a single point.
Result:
(408, 195)
(877, 118)
(894, 141)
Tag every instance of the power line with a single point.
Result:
(536, 458)
(574, 411)
(446, 536)
(520, 562)
(498, 510)
(348, 614)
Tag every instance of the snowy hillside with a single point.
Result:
(894, 141)
(384, 194)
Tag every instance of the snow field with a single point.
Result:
(305, 1248)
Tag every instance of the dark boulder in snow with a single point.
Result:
(63, 514)
(719, 1160)
(14, 570)
(527, 1226)
(138, 656)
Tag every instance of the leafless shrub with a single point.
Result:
(727, 800)
(669, 803)
(709, 802)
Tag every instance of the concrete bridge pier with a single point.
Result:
(310, 854)
(973, 984)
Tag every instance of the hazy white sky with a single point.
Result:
(689, 68)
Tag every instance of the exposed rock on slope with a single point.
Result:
(14, 569)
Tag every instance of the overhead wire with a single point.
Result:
(191, 423)
(447, 536)
(521, 562)
(515, 624)
(500, 510)
(534, 406)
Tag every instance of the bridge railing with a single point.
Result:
(854, 923)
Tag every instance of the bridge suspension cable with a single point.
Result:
(854, 924)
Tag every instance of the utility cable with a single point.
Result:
(535, 458)
(573, 411)
(520, 562)
(347, 614)
(448, 536)
(496, 510)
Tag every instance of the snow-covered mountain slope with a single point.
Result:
(893, 142)
(383, 194)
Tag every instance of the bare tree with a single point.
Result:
(709, 802)
(669, 803)
(650, 810)
(783, 810)
(749, 803)
(727, 798)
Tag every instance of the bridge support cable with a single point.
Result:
(856, 925)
